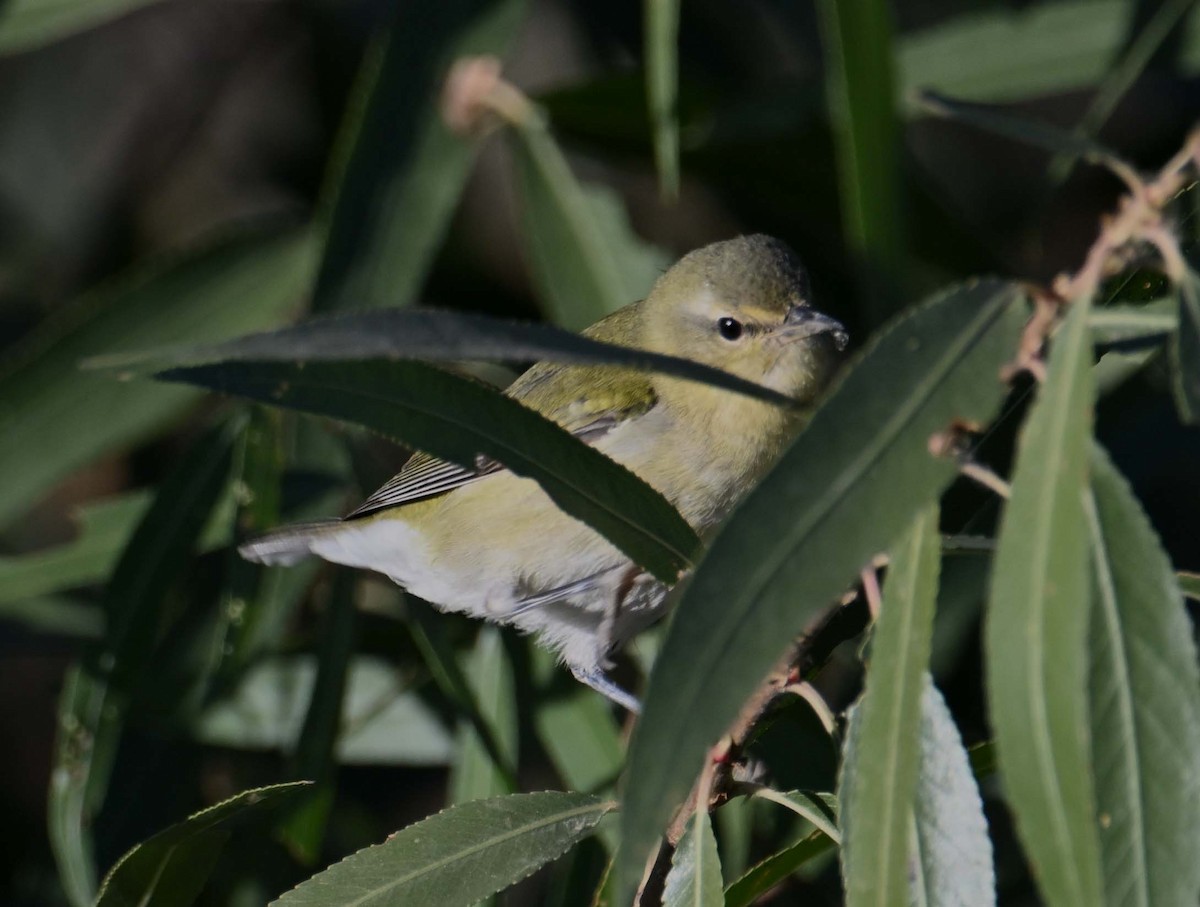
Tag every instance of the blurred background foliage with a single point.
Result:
(188, 171)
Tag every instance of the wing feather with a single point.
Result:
(587, 400)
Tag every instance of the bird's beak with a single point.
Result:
(805, 321)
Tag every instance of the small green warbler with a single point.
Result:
(493, 545)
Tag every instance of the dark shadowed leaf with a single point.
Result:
(404, 168)
(1145, 706)
(313, 758)
(457, 419)
(67, 418)
(799, 538)
(860, 80)
(819, 809)
(882, 753)
(170, 869)
(28, 24)
(458, 856)
(695, 876)
(1185, 350)
(764, 876)
(434, 335)
(96, 694)
(1017, 128)
(1036, 631)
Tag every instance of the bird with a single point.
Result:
(486, 542)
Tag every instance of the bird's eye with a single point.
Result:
(729, 328)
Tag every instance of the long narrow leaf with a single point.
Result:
(434, 335)
(147, 873)
(458, 419)
(459, 856)
(66, 418)
(96, 695)
(662, 88)
(476, 774)
(859, 78)
(405, 171)
(1036, 631)
(1185, 350)
(695, 876)
(952, 863)
(1145, 706)
(882, 755)
(585, 260)
(800, 538)
(28, 24)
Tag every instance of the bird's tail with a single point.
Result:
(288, 545)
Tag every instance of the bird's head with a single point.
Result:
(743, 306)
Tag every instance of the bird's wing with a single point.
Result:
(588, 401)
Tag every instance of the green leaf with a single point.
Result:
(383, 722)
(1022, 52)
(1189, 584)
(819, 809)
(799, 538)
(313, 758)
(582, 739)
(953, 853)
(458, 856)
(170, 869)
(66, 418)
(774, 869)
(28, 24)
(1124, 73)
(998, 121)
(662, 89)
(882, 753)
(1145, 705)
(96, 695)
(105, 528)
(695, 876)
(857, 42)
(1036, 631)
(57, 615)
(476, 774)
(403, 169)
(1185, 351)
(1120, 323)
(457, 419)
(585, 260)
(432, 335)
